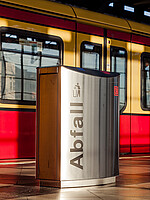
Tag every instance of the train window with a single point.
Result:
(30, 63)
(49, 61)
(91, 55)
(19, 57)
(50, 48)
(118, 62)
(145, 79)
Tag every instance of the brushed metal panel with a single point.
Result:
(79, 114)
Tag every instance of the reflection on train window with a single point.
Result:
(19, 57)
(91, 55)
(118, 62)
(146, 81)
(10, 64)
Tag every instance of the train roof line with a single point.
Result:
(81, 15)
(112, 22)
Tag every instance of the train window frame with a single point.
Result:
(143, 55)
(126, 54)
(40, 36)
(100, 54)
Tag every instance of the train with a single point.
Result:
(44, 33)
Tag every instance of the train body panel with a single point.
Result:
(72, 37)
(17, 134)
(140, 133)
(125, 136)
(137, 28)
(41, 7)
(98, 19)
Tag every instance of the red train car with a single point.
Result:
(43, 33)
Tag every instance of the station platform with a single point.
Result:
(17, 181)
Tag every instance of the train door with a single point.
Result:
(140, 95)
(118, 60)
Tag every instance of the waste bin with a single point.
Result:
(77, 127)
